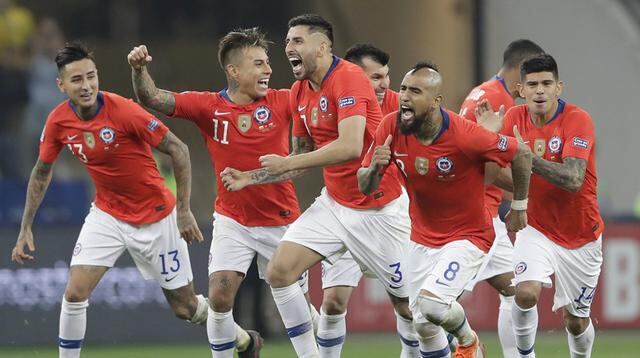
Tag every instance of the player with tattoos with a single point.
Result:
(133, 209)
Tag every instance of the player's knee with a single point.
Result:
(401, 306)
(221, 296)
(433, 309)
(427, 330)
(76, 294)
(279, 276)
(184, 311)
(334, 304)
(575, 325)
(526, 297)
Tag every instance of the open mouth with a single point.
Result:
(263, 83)
(296, 63)
(406, 113)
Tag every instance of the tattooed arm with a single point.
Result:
(235, 180)
(521, 174)
(144, 87)
(38, 184)
(179, 154)
(568, 175)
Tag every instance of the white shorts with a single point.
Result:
(345, 272)
(499, 260)
(376, 238)
(234, 245)
(443, 271)
(157, 249)
(536, 258)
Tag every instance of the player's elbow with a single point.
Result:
(352, 150)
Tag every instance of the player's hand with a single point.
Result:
(275, 164)
(139, 57)
(516, 220)
(188, 227)
(234, 179)
(487, 118)
(516, 133)
(25, 238)
(382, 154)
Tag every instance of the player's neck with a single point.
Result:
(86, 113)
(541, 120)
(511, 77)
(237, 96)
(430, 128)
(324, 64)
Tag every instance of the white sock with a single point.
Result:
(453, 342)
(243, 339)
(505, 327)
(332, 330)
(408, 337)
(315, 317)
(433, 341)
(294, 311)
(580, 345)
(202, 311)
(73, 325)
(525, 325)
(221, 330)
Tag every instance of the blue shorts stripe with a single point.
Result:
(524, 352)
(222, 346)
(408, 342)
(70, 343)
(299, 329)
(436, 354)
(330, 342)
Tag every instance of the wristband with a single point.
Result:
(519, 204)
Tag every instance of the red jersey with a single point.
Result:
(391, 102)
(115, 147)
(445, 180)
(569, 219)
(496, 91)
(236, 136)
(345, 91)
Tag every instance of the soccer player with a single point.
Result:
(564, 235)
(500, 91)
(240, 123)
(375, 64)
(442, 157)
(335, 115)
(133, 209)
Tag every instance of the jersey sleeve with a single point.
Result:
(193, 106)
(143, 124)
(480, 144)
(385, 128)
(352, 93)
(299, 128)
(510, 118)
(580, 136)
(50, 145)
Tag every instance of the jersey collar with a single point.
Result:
(445, 124)
(559, 111)
(100, 99)
(335, 62)
(504, 84)
(225, 95)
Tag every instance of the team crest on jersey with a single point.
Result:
(502, 143)
(521, 267)
(422, 165)
(324, 104)
(314, 116)
(108, 135)
(555, 144)
(89, 140)
(244, 123)
(262, 115)
(539, 147)
(444, 165)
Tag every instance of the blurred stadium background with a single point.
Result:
(597, 45)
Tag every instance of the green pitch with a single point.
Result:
(622, 344)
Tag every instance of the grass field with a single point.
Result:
(623, 344)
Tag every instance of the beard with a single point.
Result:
(414, 126)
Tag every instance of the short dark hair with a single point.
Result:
(315, 22)
(424, 64)
(239, 39)
(540, 63)
(357, 52)
(518, 51)
(71, 52)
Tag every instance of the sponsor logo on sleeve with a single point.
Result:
(580, 143)
(503, 142)
(346, 102)
(153, 125)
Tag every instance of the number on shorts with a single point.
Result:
(175, 262)
(452, 271)
(584, 296)
(397, 277)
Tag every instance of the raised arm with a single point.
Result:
(37, 187)
(144, 86)
(179, 154)
(235, 180)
